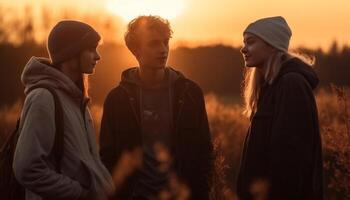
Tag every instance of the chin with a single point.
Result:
(247, 64)
(90, 72)
(251, 64)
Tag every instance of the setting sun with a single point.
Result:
(129, 9)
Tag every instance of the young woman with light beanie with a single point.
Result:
(79, 173)
(282, 154)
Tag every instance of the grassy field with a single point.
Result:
(229, 127)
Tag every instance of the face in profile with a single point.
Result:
(88, 60)
(255, 51)
(153, 49)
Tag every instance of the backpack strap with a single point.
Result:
(57, 149)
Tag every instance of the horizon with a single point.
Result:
(211, 23)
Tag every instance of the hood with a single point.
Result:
(39, 71)
(298, 66)
(131, 76)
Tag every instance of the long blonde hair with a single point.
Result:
(253, 79)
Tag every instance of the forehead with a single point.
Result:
(149, 34)
(248, 36)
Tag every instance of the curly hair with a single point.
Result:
(143, 22)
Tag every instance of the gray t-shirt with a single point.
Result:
(156, 128)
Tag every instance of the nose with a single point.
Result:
(164, 48)
(97, 56)
(243, 49)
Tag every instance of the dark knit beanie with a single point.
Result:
(68, 38)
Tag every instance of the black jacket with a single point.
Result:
(191, 139)
(283, 144)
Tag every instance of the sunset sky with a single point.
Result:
(199, 22)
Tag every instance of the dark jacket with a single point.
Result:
(283, 144)
(191, 146)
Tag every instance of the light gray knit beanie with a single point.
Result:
(273, 30)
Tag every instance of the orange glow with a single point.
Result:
(129, 9)
(202, 22)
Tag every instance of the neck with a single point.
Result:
(262, 70)
(151, 76)
(74, 75)
(73, 72)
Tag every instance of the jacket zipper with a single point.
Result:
(83, 112)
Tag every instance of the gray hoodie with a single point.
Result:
(83, 174)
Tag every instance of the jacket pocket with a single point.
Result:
(87, 180)
(78, 170)
(84, 176)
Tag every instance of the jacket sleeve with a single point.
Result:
(31, 164)
(293, 128)
(206, 153)
(108, 153)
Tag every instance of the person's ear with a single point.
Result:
(272, 49)
(76, 62)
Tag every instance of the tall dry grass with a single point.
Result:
(335, 130)
(228, 128)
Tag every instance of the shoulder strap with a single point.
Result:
(57, 149)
